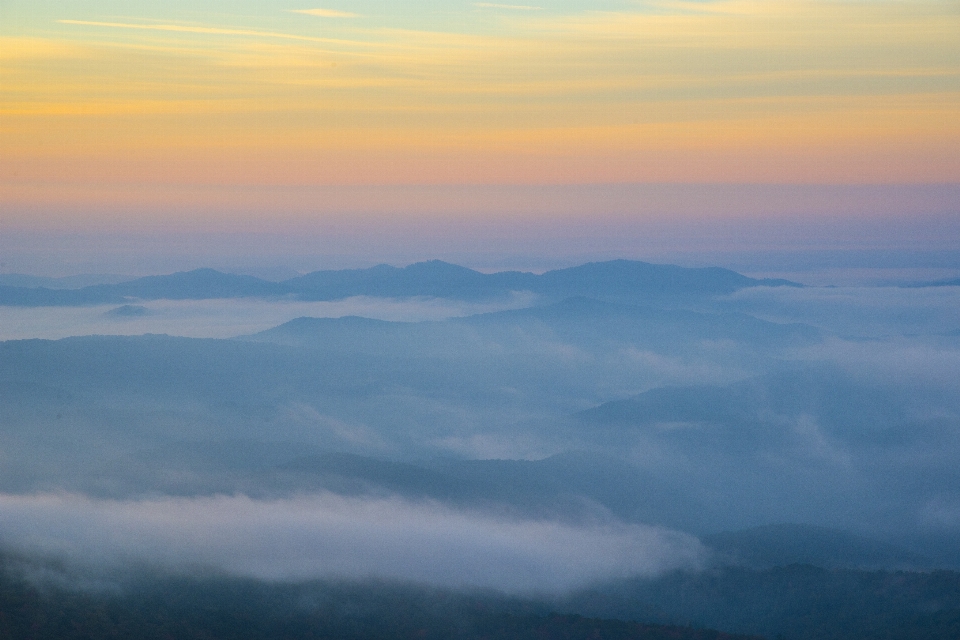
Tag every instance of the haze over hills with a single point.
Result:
(521, 418)
(590, 323)
(780, 545)
(796, 442)
(636, 431)
(939, 283)
(65, 282)
(619, 279)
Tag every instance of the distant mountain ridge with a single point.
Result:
(616, 279)
(577, 320)
(779, 545)
(955, 282)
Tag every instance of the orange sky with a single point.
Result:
(122, 112)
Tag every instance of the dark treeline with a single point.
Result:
(235, 609)
(795, 602)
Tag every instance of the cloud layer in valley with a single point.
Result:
(329, 536)
(226, 318)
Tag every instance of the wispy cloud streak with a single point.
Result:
(325, 13)
(493, 5)
(206, 31)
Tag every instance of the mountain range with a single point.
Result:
(616, 280)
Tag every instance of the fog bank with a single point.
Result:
(226, 318)
(328, 536)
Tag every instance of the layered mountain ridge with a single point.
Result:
(616, 279)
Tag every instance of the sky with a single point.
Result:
(479, 129)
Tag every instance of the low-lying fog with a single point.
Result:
(520, 444)
(858, 312)
(323, 535)
(224, 318)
